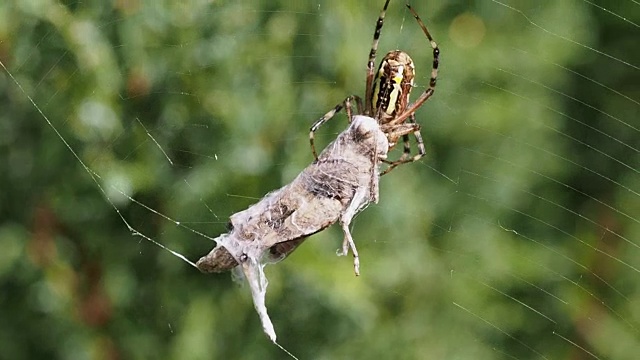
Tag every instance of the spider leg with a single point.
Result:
(346, 103)
(347, 108)
(403, 130)
(434, 73)
(358, 104)
(407, 147)
(405, 140)
(368, 93)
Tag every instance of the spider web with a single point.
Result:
(515, 237)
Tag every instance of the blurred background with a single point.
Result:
(516, 236)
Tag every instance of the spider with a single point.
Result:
(387, 96)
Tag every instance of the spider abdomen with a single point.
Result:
(392, 86)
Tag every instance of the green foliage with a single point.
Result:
(516, 236)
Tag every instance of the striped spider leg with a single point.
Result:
(347, 105)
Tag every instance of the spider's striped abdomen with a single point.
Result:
(392, 86)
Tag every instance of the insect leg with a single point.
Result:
(347, 244)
